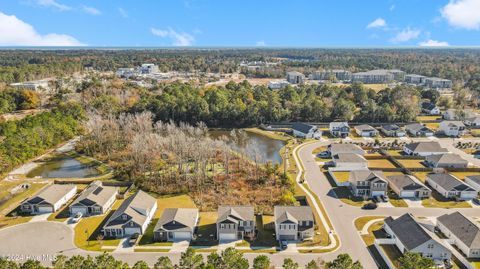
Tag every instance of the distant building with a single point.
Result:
(148, 68)
(37, 85)
(307, 131)
(278, 84)
(392, 130)
(438, 83)
(415, 79)
(366, 130)
(335, 74)
(445, 160)
(295, 77)
(126, 72)
(430, 108)
(373, 77)
(418, 129)
(398, 75)
(339, 129)
(424, 148)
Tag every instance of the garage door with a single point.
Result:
(181, 235)
(45, 209)
(378, 193)
(82, 210)
(408, 194)
(287, 237)
(225, 236)
(130, 231)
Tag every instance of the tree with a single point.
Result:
(233, 259)
(31, 264)
(261, 262)
(190, 260)
(107, 261)
(411, 260)
(312, 265)
(163, 263)
(214, 260)
(343, 261)
(289, 264)
(28, 99)
(6, 264)
(140, 265)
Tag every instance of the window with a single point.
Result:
(124, 217)
(430, 246)
(222, 226)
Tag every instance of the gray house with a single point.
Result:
(339, 129)
(410, 236)
(450, 160)
(49, 199)
(406, 186)
(176, 224)
(235, 222)
(451, 187)
(366, 183)
(473, 181)
(293, 223)
(392, 130)
(418, 129)
(295, 77)
(132, 217)
(304, 130)
(94, 200)
(337, 148)
(424, 148)
(366, 130)
(464, 233)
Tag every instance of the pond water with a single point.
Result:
(266, 149)
(64, 166)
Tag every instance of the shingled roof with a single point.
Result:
(408, 231)
(463, 228)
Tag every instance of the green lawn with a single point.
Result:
(10, 221)
(266, 233)
(15, 200)
(370, 237)
(271, 134)
(321, 236)
(428, 118)
(392, 152)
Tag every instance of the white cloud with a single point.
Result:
(392, 7)
(377, 23)
(15, 32)
(178, 38)
(406, 35)
(433, 43)
(91, 10)
(54, 4)
(463, 14)
(261, 43)
(123, 12)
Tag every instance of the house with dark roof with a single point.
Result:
(293, 223)
(430, 108)
(366, 183)
(307, 131)
(235, 223)
(473, 120)
(176, 224)
(337, 148)
(350, 161)
(392, 130)
(133, 216)
(446, 160)
(407, 186)
(424, 148)
(339, 129)
(410, 236)
(366, 130)
(295, 77)
(418, 129)
(49, 199)
(94, 200)
(452, 128)
(451, 187)
(473, 181)
(464, 233)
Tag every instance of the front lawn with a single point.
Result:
(10, 221)
(12, 201)
(428, 118)
(412, 163)
(380, 163)
(422, 176)
(266, 233)
(206, 229)
(393, 152)
(345, 195)
(360, 222)
(373, 230)
(437, 200)
(395, 200)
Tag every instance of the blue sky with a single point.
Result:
(250, 23)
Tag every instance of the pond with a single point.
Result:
(64, 166)
(266, 149)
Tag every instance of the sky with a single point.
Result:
(240, 23)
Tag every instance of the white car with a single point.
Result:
(77, 217)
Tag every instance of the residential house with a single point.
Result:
(337, 148)
(126, 72)
(94, 200)
(132, 217)
(473, 120)
(438, 83)
(452, 128)
(366, 130)
(149, 68)
(446, 160)
(418, 129)
(295, 77)
(410, 236)
(278, 84)
(415, 79)
(293, 223)
(473, 181)
(430, 108)
(50, 199)
(235, 222)
(407, 186)
(350, 161)
(424, 148)
(307, 131)
(392, 130)
(176, 224)
(450, 114)
(366, 183)
(464, 233)
(339, 129)
(451, 187)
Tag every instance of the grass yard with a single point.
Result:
(388, 174)
(374, 154)
(345, 195)
(393, 254)
(422, 176)
(393, 152)
(437, 200)
(395, 200)
(372, 231)
(380, 163)
(271, 134)
(266, 233)
(321, 236)
(433, 125)
(428, 118)
(10, 221)
(206, 230)
(178, 201)
(408, 163)
(341, 176)
(462, 175)
(360, 222)
(12, 202)
(150, 250)
(376, 87)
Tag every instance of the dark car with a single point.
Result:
(133, 239)
(369, 206)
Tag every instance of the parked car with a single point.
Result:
(385, 198)
(77, 217)
(369, 206)
(376, 199)
(283, 244)
(324, 154)
(133, 239)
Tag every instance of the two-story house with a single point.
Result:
(339, 129)
(366, 183)
(452, 128)
(235, 223)
(293, 223)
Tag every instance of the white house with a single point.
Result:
(445, 160)
(337, 148)
(418, 129)
(473, 181)
(350, 161)
(94, 200)
(307, 131)
(406, 186)
(339, 129)
(293, 223)
(452, 128)
(295, 77)
(366, 130)
(50, 199)
(430, 108)
(451, 187)
(464, 233)
(278, 84)
(424, 148)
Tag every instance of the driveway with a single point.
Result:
(41, 217)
